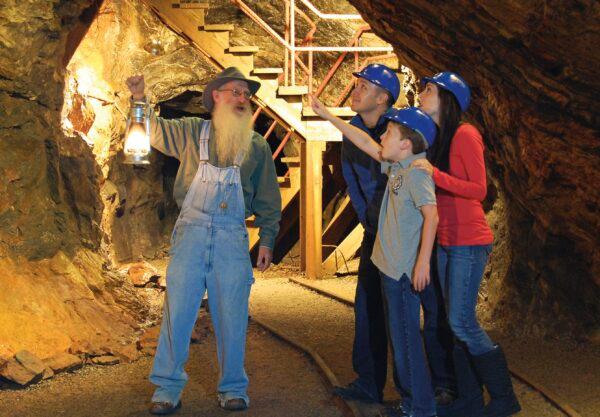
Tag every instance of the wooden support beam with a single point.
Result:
(311, 210)
(344, 251)
(342, 223)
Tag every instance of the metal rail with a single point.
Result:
(288, 41)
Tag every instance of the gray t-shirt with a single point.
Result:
(400, 219)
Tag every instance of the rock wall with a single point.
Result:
(55, 287)
(138, 215)
(533, 71)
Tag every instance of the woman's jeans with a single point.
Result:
(460, 270)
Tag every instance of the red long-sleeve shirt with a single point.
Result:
(461, 190)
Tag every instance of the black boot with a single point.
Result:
(469, 402)
(492, 370)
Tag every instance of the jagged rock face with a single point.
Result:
(35, 212)
(533, 69)
(138, 215)
(55, 291)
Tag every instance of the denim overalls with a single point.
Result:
(209, 252)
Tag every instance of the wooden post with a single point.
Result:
(311, 210)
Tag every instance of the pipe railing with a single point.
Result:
(292, 59)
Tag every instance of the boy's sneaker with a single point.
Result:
(353, 392)
(394, 411)
(444, 396)
(233, 404)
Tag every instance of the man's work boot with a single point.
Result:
(353, 392)
(164, 408)
(233, 404)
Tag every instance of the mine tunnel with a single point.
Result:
(86, 238)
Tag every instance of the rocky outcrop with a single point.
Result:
(533, 68)
(138, 214)
(55, 285)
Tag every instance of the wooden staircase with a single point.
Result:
(285, 105)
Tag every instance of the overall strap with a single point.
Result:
(204, 136)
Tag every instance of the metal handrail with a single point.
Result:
(331, 16)
(340, 59)
(290, 44)
(346, 92)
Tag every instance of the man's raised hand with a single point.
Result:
(136, 86)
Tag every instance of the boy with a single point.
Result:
(407, 225)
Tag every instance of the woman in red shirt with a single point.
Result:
(464, 243)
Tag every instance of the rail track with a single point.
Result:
(354, 409)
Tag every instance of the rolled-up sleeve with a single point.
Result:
(172, 137)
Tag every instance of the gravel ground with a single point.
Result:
(283, 382)
(568, 369)
(327, 326)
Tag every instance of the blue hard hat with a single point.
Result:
(381, 76)
(453, 83)
(415, 119)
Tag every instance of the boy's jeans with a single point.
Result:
(369, 351)
(460, 272)
(403, 311)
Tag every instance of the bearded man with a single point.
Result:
(226, 174)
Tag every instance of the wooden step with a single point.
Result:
(343, 112)
(243, 49)
(291, 160)
(216, 28)
(292, 90)
(190, 5)
(322, 131)
(284, 182)
(267, 71)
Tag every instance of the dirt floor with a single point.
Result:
(283, 381)
(565, 368)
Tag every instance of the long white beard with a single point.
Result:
(233, 133)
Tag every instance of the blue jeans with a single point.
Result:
(404, 312)
(369, 352)
(437, 336)
(460, 272)
(213, 257)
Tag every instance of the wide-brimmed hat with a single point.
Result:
(228, 74)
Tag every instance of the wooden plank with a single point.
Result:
(321, 130)
(217, 28)
(267, 71)
(342, 223)
(243, 49)
(291, 160)
(190, 5)
(344, 251)
(311, 210)
(344, 112)
(292, 90)
(185, 20)
(284, 182)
